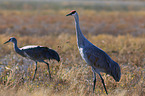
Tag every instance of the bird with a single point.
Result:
(35, 53)
(95, 57)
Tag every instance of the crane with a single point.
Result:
(94, 56)
(35, 53)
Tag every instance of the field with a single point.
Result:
(120, 33)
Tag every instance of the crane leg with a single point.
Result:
(35, 71)
(48, 69)
(94, 81)
(94, 73)
(103, 83)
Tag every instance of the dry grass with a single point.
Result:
(71, 76)
(46, 22)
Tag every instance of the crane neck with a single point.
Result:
(16, 47)
(81, 40)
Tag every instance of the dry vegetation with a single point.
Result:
(120, 34)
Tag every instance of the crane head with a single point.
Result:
(73, 12)
(12, 39)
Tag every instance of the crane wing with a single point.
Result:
(97, 57)
(35, 52)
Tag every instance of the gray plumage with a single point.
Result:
(94, 56)
(36, 53)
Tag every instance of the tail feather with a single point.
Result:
(116, 71)
(53, 55)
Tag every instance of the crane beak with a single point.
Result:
(69, 14)
(7, 41)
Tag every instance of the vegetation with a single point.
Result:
(119, 33)
(75, 4)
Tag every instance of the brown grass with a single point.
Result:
(71, 76)
(48, 22)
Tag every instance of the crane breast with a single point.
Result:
(82, 53)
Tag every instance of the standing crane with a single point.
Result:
(35, 53)
(94, 56)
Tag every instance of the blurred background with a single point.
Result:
(116, 26)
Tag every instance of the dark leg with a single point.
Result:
(94, 73)
(35, 71)
(94, 81)
(103, 83)
(48, 69)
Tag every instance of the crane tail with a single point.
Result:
(53, 55)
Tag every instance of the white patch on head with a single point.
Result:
(11, 40)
